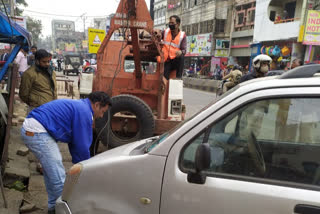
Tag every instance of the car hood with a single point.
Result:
(124, 150)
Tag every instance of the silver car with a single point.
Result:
(255, 150)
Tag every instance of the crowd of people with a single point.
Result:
(263, 65)
(50, 120)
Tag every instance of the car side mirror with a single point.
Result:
(203, 157)
(202, 162)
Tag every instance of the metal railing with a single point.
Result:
(285, 20)
(64, 86)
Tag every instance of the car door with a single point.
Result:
(265, 158)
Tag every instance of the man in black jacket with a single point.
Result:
(261, 64)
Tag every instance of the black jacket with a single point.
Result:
(249, 76)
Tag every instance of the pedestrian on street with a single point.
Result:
(174, 48)
(31, 57)
(283, 65)
(5, 55)
(38, 84)
(64, 120)
(22, 60)
(296, 63)
(59, 61)
(93, 61)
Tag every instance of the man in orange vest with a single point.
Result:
(174, 47)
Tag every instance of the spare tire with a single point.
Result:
(75, 65)
(127, 105)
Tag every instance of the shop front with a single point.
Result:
(221, 53)
(198, 55)
(282, 52)
(240, 55)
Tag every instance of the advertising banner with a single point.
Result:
(222, 44)
(96, 37)
(312, 28)
(199, 45)
(214, 63)
(70, 47)
(84, 43)
(4, 46)
(221, 53)
(22, 21)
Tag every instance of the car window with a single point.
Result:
(276, 139)
(153, 144)
(146, 66)
(74, 59)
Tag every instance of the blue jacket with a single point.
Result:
(68, 121)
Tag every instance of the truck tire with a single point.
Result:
(131, 104)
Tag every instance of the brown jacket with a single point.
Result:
(234, 76)
(37, 87)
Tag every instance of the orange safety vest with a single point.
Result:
(170, 46)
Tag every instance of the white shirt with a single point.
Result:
(93, 61)
(22, 61)
(33, 125)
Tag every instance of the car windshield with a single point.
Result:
(74, 59)
(150, 146)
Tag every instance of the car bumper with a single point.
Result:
(62, 207)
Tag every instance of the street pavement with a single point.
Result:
(195, 100)
(21, 164)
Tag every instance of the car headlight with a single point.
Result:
(71, 179)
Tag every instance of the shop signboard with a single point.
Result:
(312, 28)
(222, 44)
(22, 21)
(70, 47)
(4, 46)
(84, 43)
(221, 53)
(199, 45)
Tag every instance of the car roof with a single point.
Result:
(299, 76)
(302, 76)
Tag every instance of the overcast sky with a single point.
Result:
(68, 8)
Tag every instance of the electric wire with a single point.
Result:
(53, 14)
(117, 71)
(95, 146)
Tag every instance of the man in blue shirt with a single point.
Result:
(64, 120)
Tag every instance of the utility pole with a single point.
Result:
(84, 25)
(12, 8)
(84, 29)
(152, 9)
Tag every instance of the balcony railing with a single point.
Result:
(286, 20)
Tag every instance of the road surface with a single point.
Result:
(194, 100)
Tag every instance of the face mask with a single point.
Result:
(172, 27)
(264, 69)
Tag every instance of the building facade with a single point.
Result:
(276, 32)
(207, 26)
(242, 30)
(160, 9)
(63, 35)
(100, 23)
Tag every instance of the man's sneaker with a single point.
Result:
(52, 211)
(39, 168)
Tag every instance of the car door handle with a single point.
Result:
(306, 209)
